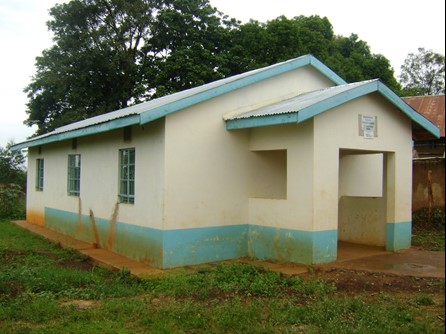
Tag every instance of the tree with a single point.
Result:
(257, 44)
(94, 65)
(12, 183)
(12, 169)
(352, 59)
(189, 44)
(109, 54)
(423, 73)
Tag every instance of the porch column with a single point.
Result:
(398, 185)
(325, 205)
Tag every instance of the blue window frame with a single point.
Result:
(127, 175)
(39, 174)
(74, 175)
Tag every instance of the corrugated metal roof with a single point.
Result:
(143, 107)
(157, 103)
(310, 104)
(299, 102)
(431, 107)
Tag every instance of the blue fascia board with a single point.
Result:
(408, 110)
(165, 110)
(256, 122)
(337, 100)
(162, 111)
(94, 129)
(324, 69)
(304, 114)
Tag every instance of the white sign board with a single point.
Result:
(368, 126)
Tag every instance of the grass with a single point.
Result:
(47, 289)
(427, 235)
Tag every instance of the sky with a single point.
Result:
(391, 28)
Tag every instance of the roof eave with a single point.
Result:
(164, 110)
(305, 113)
(332, 102)
(93, 129)
(261, 121)
(409, 111)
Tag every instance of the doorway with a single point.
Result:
(363, 197)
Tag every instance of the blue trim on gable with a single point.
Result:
(162, 111)
(408, 110)
(93, 129)
(254, 78)
(335, 101)
(324, 69)
(332, 102)
(254, 122)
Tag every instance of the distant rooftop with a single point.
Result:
(431, 107)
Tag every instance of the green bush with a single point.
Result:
(438, 217)
(421, 217)
(12, 202)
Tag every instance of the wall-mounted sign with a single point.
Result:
(368, 126)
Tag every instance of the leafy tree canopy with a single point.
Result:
(94, 65)
(108, 54)
(12, 170)
(423, 73)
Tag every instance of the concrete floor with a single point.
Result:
(411, 262)
(99, 256)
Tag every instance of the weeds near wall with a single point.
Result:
(12, 202)
(429, 229)
(435, 220)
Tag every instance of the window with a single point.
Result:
(74, 174)
(269, 178)
(39, 174)
(361, 175)
(127, 175)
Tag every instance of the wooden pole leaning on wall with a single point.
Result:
(95, 230)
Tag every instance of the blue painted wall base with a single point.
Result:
(175, 248)
(398, 236)
(268, 243)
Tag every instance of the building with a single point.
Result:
(428, 163)
(278, 163)
(432, 108)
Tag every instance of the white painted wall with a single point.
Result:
(273, 90)
(338, 129)
(294, 212)
(362, 200)
(34, 199)
(99, 176)
(191, 172)
(269, 175)
(208, 169)
(361, 175)
(362, 220)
